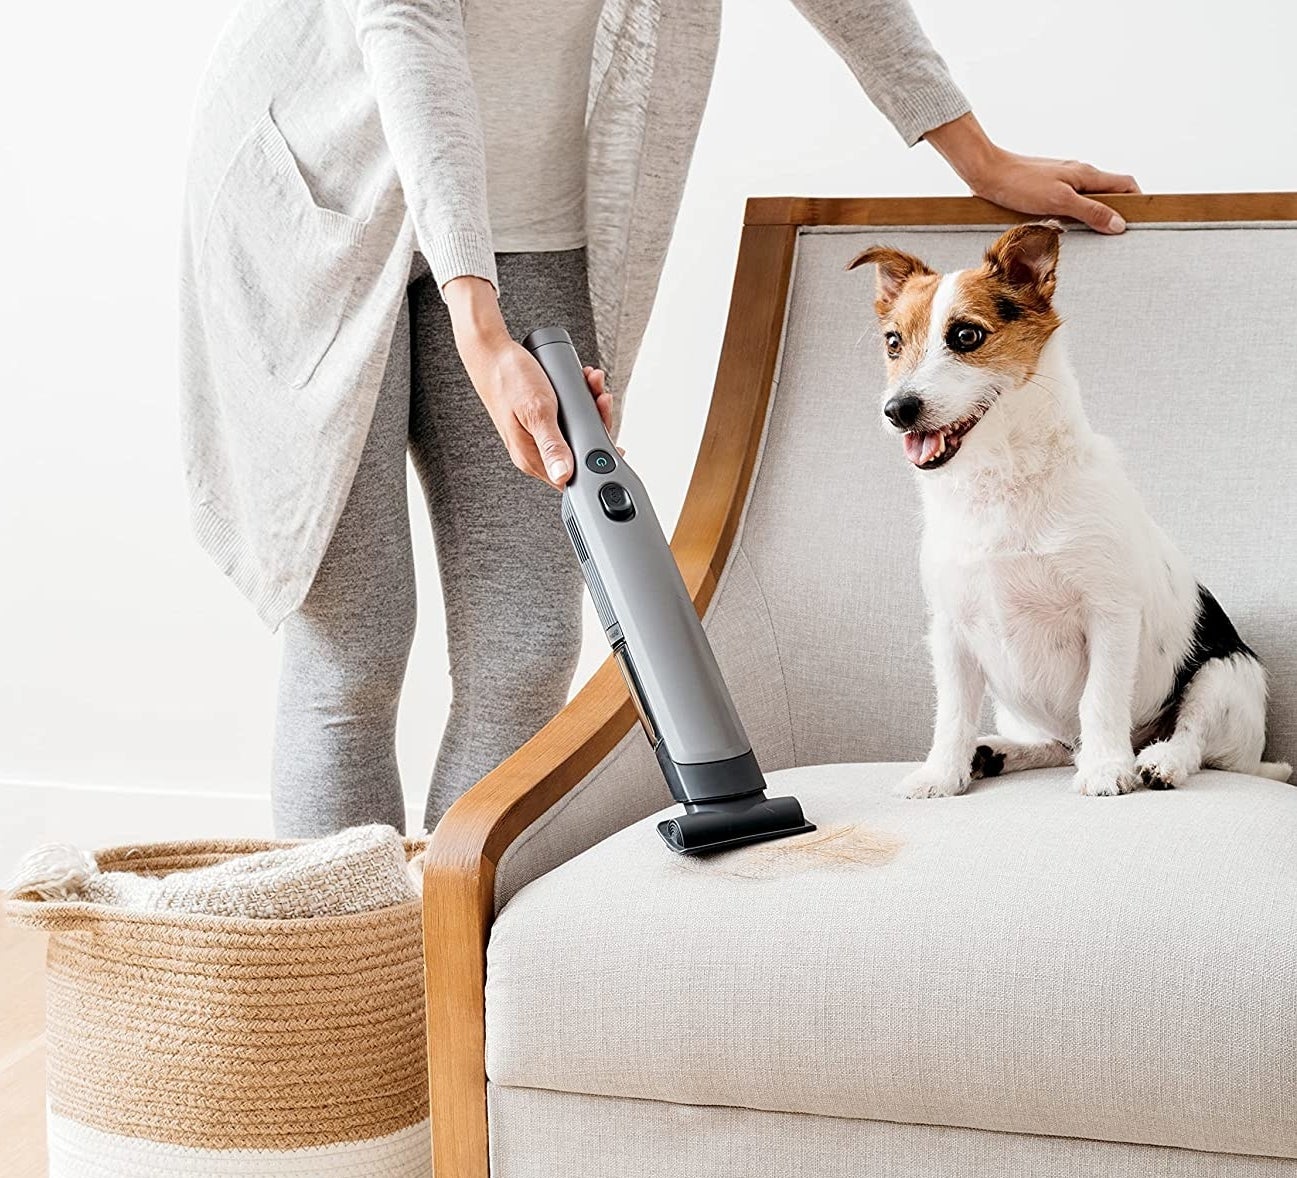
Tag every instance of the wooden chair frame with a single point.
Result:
(459, 878)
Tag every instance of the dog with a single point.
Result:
(1047, 581)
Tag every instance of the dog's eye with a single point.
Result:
(893, 341)
(964, 337)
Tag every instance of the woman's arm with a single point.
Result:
(885, 47)
(416, 57)
(904, 76)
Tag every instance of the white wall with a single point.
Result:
(136, 688)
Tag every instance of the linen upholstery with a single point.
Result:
(1030, 961)
(1033, 983)
(1181, 340)
(538, 1134)
(1179, 335)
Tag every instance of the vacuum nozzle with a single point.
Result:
(718, 826)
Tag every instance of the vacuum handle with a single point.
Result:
(578, 415)
(634, 579)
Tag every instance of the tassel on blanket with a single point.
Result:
(56, 871)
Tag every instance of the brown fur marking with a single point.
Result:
(1025, 258)
(1012, 346)
(895, 269)
(1009, 296)
(910, 315)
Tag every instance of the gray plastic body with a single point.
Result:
(683, 703)
(635, 582)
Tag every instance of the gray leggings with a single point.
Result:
(511, 584)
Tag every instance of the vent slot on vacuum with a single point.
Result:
(598, 594)
(578, 541)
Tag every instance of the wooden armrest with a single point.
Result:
(459, 873)
(459, 902)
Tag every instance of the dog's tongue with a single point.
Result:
(920, 448)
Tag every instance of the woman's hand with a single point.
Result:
(512, 385)
(1028, 184)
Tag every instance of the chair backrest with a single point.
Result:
(1183, 335)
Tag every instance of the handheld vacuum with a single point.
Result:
(683, 704)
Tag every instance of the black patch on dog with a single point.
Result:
(987, 762)
(1153, 780)
(1214, 637)
(1007, 309)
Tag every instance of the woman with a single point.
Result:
(374, 179)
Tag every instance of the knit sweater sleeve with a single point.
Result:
(416, 57)
(885, 47)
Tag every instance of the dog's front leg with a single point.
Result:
(961, 687)
(1105, 762)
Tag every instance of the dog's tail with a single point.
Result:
(1275, 770)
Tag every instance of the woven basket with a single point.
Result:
(181, 1044)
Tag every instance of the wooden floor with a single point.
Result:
(22, 1054)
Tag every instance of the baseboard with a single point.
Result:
(100, 816)
(93, 816)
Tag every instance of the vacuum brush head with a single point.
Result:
(718, 826)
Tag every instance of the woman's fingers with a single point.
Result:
(1089, 179)
(603, 403)
(1099, 217)
(522, 451)
(597, 379)
(538, 415)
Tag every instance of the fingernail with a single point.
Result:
(1116, 223)
(557, 470)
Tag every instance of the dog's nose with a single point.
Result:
(903, 410)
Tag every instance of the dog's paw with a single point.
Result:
(928, 782)
(1106, 779)
(1160, 766)
(987, 762)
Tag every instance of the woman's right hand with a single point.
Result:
(512, 384)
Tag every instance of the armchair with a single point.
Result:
(1021, 981)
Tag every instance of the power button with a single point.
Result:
(600, 461)
(616, 502)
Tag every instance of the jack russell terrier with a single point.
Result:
(1047, 580)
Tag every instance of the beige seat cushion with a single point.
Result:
(1020, 958)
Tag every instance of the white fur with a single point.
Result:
(1051, 586)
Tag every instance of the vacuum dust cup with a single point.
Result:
(684, 706)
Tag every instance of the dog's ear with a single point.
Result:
(1026, 257)
(895, 269)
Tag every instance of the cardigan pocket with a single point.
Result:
(275, 269)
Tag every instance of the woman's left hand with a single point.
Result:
(1029, 184)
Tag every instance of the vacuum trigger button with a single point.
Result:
(616, 502)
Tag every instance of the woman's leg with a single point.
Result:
(346, 649)
(511, 583)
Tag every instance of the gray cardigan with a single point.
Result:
(332, 139)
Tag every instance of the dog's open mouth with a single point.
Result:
(934, 448)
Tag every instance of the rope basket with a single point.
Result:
(183, 1044)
